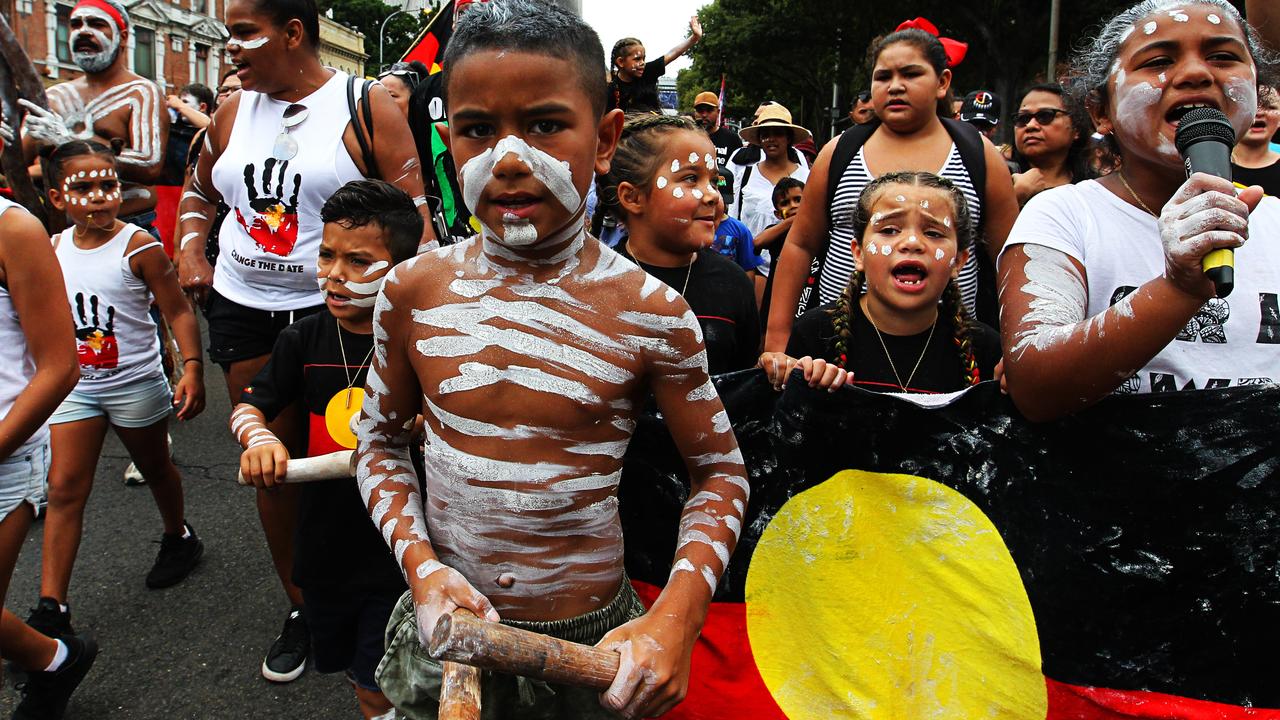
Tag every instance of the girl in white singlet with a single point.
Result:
(113, 271)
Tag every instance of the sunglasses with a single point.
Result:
(402, 70)
(286, 148)
(1042, 117)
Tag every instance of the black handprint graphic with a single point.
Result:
(275, 222)
(95, 344)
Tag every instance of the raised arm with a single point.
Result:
(198, 206)
(34, 280)
(1057, 359)
(695, 34)
(388, 482)
(657, 648)
(807, 236)
(396, 155)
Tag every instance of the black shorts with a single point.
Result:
(240, 333)
(348, 630)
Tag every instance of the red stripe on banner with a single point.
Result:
(1073, 702)
(724, 684)
(425, 51)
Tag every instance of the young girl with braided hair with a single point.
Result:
(901, 325)
(662, 185)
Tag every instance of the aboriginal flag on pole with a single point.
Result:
(957, 561)
(428, 47)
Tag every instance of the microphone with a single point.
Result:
(1204, 140)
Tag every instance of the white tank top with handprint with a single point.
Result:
(115, 336)
(270, 240)
(16, 364)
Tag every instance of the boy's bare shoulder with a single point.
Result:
(429, 271)
(635, 289)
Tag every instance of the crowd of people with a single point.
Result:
(377, 260)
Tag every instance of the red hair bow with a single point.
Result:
(956, 50)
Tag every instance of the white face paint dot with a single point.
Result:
(677, 192)
(871, 248)
(1162, 77)
(901, 198)
(710, 160)
(93, 173)
(693, 157)
(1178, 16)
(946, 221)
(675, 166)
(938, 254)
(711, 188)
(662, 181)
(1150, 27)
(1214, 19)
(697, 194)
(924, 204)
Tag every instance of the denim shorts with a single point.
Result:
(141, 403)
(23, 476)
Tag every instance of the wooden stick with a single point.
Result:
(464, 638)
(334, 466)
(460, 692)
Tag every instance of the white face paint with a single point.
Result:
(677, 191)
(662, 181)
(1133, 109)
(553, 173)
(1243, 108)
(675, 166)
(693, 157)
(710, 161)
(901, 198)
(1150, 28)
(101, 60)
(697, 194)
(1178, 16)
(871, 248)
(253, 44)
(939, 254)
(1214, 19)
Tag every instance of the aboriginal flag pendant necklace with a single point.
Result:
(351, 379)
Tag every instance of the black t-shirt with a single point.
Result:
(724, 300)
(1268, 177)
(640, 95)
(336, 544)
(726, 142)
(940, 369)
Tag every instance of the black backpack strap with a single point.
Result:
(847, 147)
(365, 141)
(973, 154)
(740, 185)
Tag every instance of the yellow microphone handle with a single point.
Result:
(1219, 265)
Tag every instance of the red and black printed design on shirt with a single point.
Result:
(95, 342)
(1148, 553)
(274, 227)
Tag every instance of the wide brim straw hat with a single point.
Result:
(772, 116)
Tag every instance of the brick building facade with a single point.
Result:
(173, 42)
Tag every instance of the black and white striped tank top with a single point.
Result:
(838, 265)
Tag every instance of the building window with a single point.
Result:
(202, 64)
(25, 6)
(144, 52)
(200, 6)
(63, 34)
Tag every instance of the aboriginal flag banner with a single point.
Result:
(958, 561)
(428, 47)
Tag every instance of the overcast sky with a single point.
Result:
(660, 24)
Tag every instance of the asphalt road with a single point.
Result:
(190, 651)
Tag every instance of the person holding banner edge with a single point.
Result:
(1105, 277)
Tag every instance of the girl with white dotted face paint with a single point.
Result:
(1106, 277)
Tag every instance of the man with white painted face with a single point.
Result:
(108, 102)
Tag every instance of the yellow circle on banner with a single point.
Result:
(891, 596)
(338, 413)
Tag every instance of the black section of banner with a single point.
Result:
(1146, 529)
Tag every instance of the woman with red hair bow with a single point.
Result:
(910, 91)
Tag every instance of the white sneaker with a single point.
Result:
(133, 477)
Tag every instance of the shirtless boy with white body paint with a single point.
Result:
(529, 350)
(107, 102)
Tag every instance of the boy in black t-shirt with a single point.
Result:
(349, 579)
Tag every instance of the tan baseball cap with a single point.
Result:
(707, 98)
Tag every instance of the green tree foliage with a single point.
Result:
(792, 51)
(367, 16)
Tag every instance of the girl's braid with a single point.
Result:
(842, 317)
(953, 303)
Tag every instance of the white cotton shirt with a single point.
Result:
(17, 367)
(757, 195)
(1230, 341)
(271, 237)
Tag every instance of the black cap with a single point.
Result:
(981, 106)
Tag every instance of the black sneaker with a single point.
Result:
(288, 654)
(45, 694)
(178, 556)
(48, 618)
